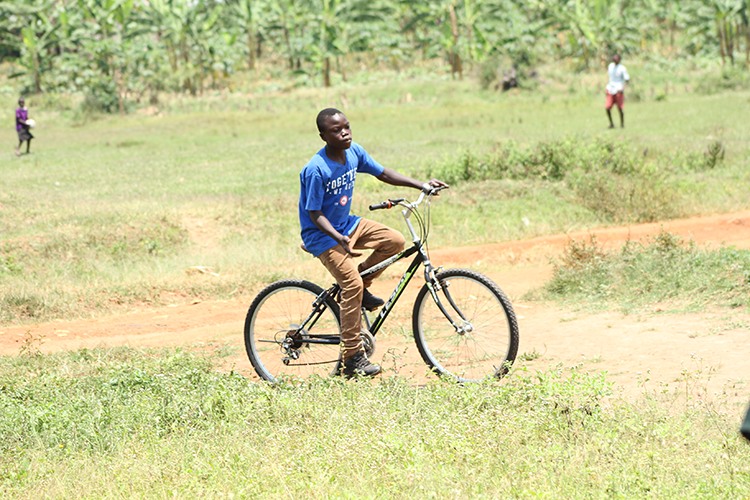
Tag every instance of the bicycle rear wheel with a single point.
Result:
(487, 342)
(276, 342)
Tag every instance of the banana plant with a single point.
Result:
(335, 25)
(107, 39)
(246, 14)
(727, 14)
(188, 29)
(595, 27)
(37, 36)
(288, 19)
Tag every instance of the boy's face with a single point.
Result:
(337, 132)
(21, 102)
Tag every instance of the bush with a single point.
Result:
(643, 196)
(727, 79)
(665, 268)
(503, 73)
(101, 97)
(610, 178)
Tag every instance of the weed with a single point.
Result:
(579, 254)
(530, 356)
(30, 345)
(714, 154)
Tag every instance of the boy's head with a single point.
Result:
(320, 121)
(21, 101)
(334, 128)
(616, 58)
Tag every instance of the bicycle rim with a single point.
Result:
(489, 346)
(274, 320)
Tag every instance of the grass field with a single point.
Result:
(124, 423)
(106, 211)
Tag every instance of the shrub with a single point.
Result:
(643, 196)
(610, 178)
(727, 79)
(101, 97)
(665, 268)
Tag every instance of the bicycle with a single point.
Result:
(463, 324)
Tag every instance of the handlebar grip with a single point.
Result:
(380, 206)
(386, 204)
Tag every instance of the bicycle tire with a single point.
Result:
(275, 314)
(486, 351)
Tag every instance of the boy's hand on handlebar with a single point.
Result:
(433, 184)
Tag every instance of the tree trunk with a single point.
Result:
(719, 31)
(37, 76)
(327, 72)
(288, 44)
(341, 67)
(118, 77)
(455, 58)
(250, 49)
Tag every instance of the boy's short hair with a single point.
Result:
(320, 120)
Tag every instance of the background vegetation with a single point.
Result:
(120, 52)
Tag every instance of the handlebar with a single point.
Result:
(426, 190)
(410, 209)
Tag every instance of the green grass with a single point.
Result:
(664, 271)
(99, 216)
(124, 423)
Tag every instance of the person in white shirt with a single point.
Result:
(618, 78)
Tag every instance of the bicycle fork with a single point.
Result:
(434, 286)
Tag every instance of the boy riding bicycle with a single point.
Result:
(332, 234)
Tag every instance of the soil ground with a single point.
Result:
(652, 352)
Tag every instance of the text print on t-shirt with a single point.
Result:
(343, 182)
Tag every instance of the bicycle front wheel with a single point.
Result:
(282, 339)
(485, 342)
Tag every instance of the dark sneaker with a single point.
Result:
(359, 365)
(371, 302)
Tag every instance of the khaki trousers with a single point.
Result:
(368, 235)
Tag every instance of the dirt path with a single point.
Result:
(664, 348)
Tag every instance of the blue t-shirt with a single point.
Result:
(328, 186)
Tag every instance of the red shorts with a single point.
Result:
(618, 98)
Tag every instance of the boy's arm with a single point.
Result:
(395, 179)
(322, 222)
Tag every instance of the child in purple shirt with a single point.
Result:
(22, 114)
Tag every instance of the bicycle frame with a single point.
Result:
(432, 283)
